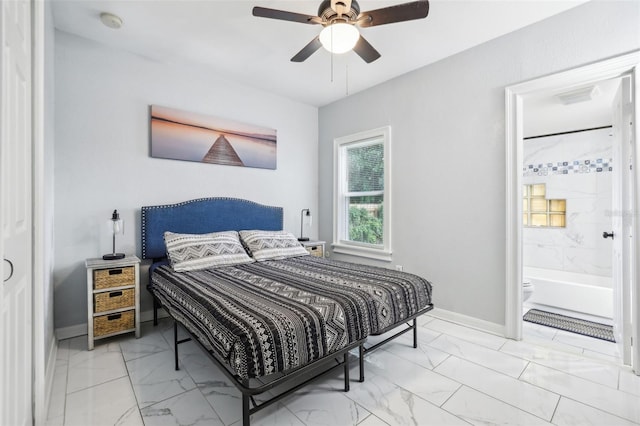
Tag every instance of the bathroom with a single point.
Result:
(568, 186)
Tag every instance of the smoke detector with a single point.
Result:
(111, 20)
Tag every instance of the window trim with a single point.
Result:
(384, 251)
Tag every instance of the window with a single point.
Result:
(537, 211)
(362, 205)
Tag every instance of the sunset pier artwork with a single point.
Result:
(182, 135)
(221, 152)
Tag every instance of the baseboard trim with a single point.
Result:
(49, 374)
(467, 321)
(81, 329)
(148, 315)
(71, 331)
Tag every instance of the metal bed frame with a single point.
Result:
(331, 362)
(248, 391)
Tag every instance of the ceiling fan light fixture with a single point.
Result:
(339, 37)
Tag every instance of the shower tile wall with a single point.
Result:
(583, 177)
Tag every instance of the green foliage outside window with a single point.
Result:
(366, 168)
(366, 175)
(364, 227)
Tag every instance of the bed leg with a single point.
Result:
(346, 372)
(155, 311)
(415, 333)
(246, 418)
(361, 361)
(175, 343)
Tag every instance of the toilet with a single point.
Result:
(527, 289)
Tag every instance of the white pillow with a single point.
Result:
(193, 252)
(272, 245)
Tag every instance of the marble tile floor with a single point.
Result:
(457, 376)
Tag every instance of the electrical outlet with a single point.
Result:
(399, 268)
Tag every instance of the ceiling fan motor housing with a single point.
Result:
(328, 14)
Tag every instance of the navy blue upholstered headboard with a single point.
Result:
(202, 216)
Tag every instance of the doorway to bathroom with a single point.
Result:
(558, 208)
(567, 176)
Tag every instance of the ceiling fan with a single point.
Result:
(340, 19)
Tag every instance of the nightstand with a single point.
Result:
(113, 297)
(315, 248)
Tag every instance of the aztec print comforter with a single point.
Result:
(274, 316)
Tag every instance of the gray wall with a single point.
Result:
(448, 124)
(102, 157)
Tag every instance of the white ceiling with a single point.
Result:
(545, 114)
(224, 36)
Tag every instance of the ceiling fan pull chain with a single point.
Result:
(347, 82)
(332, 53)
(332, 66)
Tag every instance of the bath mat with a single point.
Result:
(574, 325)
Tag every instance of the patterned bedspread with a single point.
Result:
(274, 316)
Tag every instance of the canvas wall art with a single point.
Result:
(181, 135)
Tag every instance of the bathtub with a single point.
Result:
(582, 293)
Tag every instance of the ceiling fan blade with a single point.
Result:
(308, 50)
(397, 13)
(283, 15)
(365, 50)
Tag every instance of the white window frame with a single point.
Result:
(340, 209)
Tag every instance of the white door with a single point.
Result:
(631, 114)
(15, 213)
(624, 222)
(620, 223)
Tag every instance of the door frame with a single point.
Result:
(43, 365)
(514, 96)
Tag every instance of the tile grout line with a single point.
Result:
(573, 399)
(197, 387)
(600, 409)
(511, 377)
(66, 386)
(555, 409)
(133, 391)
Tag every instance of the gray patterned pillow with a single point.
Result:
(272, 245)
(193, 252)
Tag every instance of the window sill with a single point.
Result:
(362, 252)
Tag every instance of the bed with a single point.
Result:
(281, 318)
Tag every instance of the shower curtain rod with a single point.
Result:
(567, 133)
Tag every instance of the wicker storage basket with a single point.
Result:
(107, 324)
(110, 300)
(315, 251)
(114, 277)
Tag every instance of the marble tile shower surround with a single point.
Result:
(583, 177)
(457, 376)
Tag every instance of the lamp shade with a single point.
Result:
(303, 213)
(339, 37)
(115, 226)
